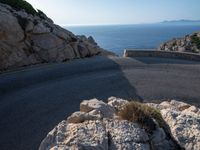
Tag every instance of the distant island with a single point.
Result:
(181, 21)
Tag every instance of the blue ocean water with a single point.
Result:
(116, 38)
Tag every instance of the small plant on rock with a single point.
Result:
(141, 114)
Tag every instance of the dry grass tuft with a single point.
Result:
(141, 114)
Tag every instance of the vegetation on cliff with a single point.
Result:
(19, 5)
(195, 40)
(189, 43)
(24, 5)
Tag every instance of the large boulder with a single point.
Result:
(123, 134)
(27, 39)
(104, 109)
(89, 135)
(91, 128)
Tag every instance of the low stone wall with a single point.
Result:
(162, 54)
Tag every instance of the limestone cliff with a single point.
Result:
(189, 43)
(27, 39)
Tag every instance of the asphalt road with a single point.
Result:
(34, 100)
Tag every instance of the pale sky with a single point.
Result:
(93, 12)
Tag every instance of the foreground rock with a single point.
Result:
(98, 126)
(190, 43)
(26, 40)
(184, 122)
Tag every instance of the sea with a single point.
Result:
(116, 38)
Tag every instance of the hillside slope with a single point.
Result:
(33, 38)
(189, 43)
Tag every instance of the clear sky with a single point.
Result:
(66, 12)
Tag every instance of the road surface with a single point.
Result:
(34, 100)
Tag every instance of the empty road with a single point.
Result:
(34, 100)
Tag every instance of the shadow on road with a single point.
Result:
(35, 100)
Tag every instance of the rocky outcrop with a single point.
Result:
(26, 40)
(184, 122)
(190, 43)
(98, 126)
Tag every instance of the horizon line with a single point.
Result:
(104, 24)
(141, 23)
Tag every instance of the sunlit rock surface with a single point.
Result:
(97, 126)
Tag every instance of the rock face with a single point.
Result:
(26, 40)
(184, 122)
(190, 43)
(97, 126)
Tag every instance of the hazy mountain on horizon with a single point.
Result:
(181, 21)
(170, 22)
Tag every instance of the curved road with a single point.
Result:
(34, 100)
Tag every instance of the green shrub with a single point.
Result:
(174, 43)
(19, 5)
(141, 114)
(195, 40)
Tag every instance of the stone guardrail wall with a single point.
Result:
(162, 54)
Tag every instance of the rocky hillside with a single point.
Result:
(120, 124)
(190, 43)
(29, 37)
